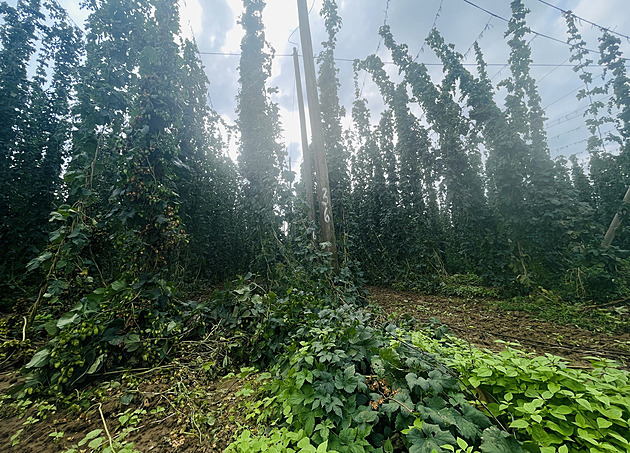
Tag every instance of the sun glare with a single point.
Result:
(190, 16)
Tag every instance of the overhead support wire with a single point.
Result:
(556, 67)
(577, 143)
(351, 60)
(568, 117)
(601, 27)
(562, 97)
(542, 35)
(378, 46)
(485, 28)
(569, 145)
(565, 133)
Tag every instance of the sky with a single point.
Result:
(214, 25)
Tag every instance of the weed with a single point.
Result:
(348, 387)
(100, 440)
(56, 435)
(15, 439)
(30, 421)
(547, 404)
(465, 286)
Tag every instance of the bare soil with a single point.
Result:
(180, 415)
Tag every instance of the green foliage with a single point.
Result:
(261, 323)
(307, 269)
(454, 232)
(120, 234)
(351, 387)
(36, 123)
(322, 385)
(120, 325)
(548, 404)
(101, 441)
(257, 323)
(277, 441)
(149, 196)
(261, 157)
(549, 305)
(580, 56)
(466, 286)
(64, 262)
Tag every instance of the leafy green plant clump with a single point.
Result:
(120, 325)
(346, 386)
(466, 286)
(548, 405)
(549, 305)
(343, 384)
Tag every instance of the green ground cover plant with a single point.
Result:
(550, 306)
(338, 380)
(346, 384)
(350, 386)
(560, 307)
(547, 404)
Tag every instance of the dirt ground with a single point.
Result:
(180, 409)
(173, 415)
(482, 323)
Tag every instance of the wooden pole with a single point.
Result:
(307, 175)
(321, 169)
(616, 222)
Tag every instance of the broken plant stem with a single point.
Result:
(109, 437)
(400, 402)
